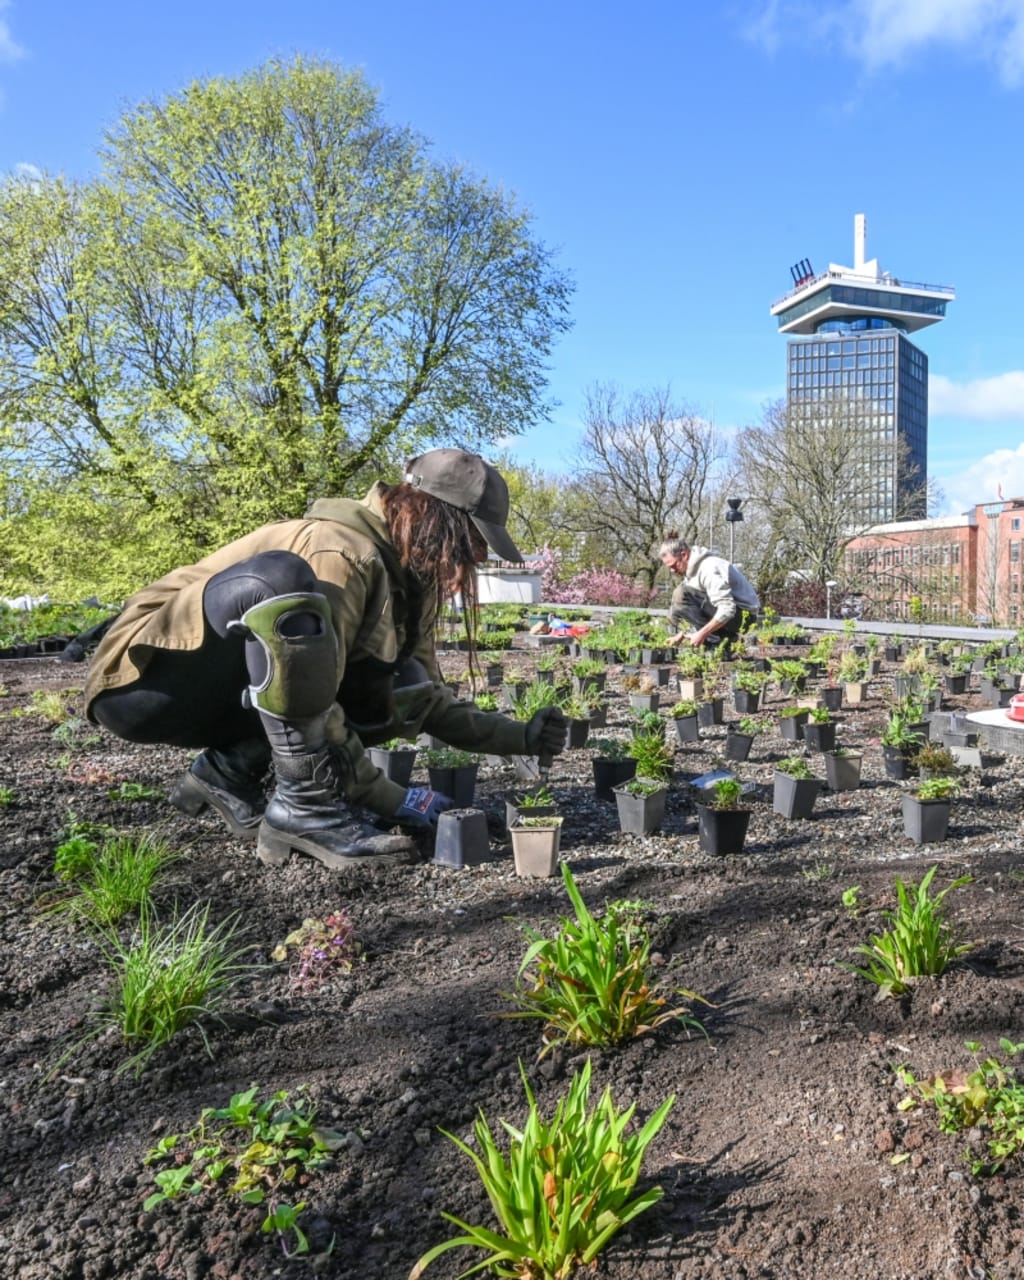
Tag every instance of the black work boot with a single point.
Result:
(305, 816)
(230, 781)
(294, 682)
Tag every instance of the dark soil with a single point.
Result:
(781, 1156)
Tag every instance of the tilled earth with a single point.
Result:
(785, 1155)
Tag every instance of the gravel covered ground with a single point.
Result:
(785, 1155)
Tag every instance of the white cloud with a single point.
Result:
(981, 481)
(10, 50)
(882, 33)
(985, 399)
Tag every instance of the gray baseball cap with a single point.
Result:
(465, 481)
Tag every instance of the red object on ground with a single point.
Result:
(1015, 711)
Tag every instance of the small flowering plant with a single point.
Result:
(319, 949)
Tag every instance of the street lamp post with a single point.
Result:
(732, 518)
(828, 596)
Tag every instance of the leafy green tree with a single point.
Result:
(271, 294)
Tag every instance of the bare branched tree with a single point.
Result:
(642, 467)
(812, 485)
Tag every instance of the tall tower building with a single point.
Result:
(849, 357)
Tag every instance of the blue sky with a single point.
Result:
(679, 155)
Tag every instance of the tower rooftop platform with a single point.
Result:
(859, 292)
(839, 294)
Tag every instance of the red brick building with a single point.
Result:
(965, 568)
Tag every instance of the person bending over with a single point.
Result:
(712, 597)
(305, 641)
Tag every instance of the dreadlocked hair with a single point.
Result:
(440, 545)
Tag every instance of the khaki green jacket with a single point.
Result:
(346, 543)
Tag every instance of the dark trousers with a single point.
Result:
(695, 608)
(195, 698)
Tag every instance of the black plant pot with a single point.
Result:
(842, 773)
(458, 783)
(831, 696)
(644, 701)
(640, 815)
(745, 702)
(721, 831)
(737, 746)
(710, 712)
(583, 685)
(792, 727)
(819, 737)
(794, 797)
(956, 684)
(579, 731)
(395, 764)
(925, 821)
(892, 653)
(897, 762)
(609, 774)
(687, 728)
(461, 838)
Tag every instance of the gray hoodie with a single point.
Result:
(724, 585)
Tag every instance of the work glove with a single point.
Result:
(422, 807)
(546, 732)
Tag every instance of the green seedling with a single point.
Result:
(850, 899)
(610, 748)
(919, 943)
(652, 753)
(76, 734)
(250, 1149)
(7, 797)
(726, 794)
(134, 791)
(52, 704)
(990, 1099)
(563, 1190)
(818, 871)
(542, 797)
(795, 767)
(591, 984)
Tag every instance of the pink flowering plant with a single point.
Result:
(319, 949)
(589, 586)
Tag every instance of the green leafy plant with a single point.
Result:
(753, 725)
(250, 1149)
(486, 701)
(853, 669)
(448, 758)
(541, 797)
(685, 707)
(588, 667)
(641, 787)
(319, 949)
(8, 795)
(899, 730)
(786, 713)
(820, 715)
(750, 681)
(591, 984)
(937, 789)
(564, 1189)
(610, 748)
(726, 794)
(990, 1098)
(919, 942)
(794, 767)
(850, 899)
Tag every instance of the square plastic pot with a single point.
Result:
(396, 764)
(792, 727)
(925, 821)
(458, 783)
(535, 849)
(842, 773)
(687, 728)
(461, 838)
(819, 737)
(609, 774)
(710, 712)
(737, 746)
(722, 831)
(640, 815)
(794, 797)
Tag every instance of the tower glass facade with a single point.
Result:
(869, 375)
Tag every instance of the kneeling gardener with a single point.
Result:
(305, 641)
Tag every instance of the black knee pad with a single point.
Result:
(234, 591)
